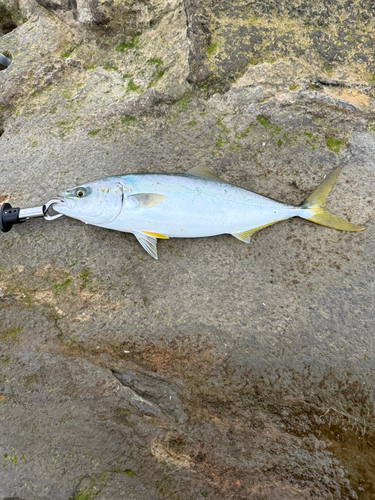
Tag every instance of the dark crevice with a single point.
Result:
(8, 21)
(325, 82)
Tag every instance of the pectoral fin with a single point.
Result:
(146, 200)
(148, 243)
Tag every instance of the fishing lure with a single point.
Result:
(193, 204)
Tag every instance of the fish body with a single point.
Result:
(193, 207)
(189, 205)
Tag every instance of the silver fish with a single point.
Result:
(189, 205)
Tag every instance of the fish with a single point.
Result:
(193, 204)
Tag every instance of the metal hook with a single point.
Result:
(47, 206)
(10, 216)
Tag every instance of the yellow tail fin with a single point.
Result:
(316, 202)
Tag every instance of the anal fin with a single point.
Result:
(246, 234)
(148, 243)
(156, 235)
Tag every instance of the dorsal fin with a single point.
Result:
(205, 173)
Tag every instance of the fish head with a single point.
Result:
(97, 202)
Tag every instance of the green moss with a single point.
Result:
(317, 119)
(84, 277)
(67, 53)
(129, 472)
(5, 360)
(67, 93)
(95, 132)
(219, 142)
(53, 110)
(61, 287)
(366, 358)
(159, 74)
(132, 87)
(10, 333)
(279, 143)
(211, 49)
(183, 101)
(222, 126)
(309, 135)
(267, 124)
(128, 119)
(121, 47)
(246, 132)
(293, 86)
(133, 43)
(83, 495)
(157, 62)
(156, 76)
(372, 78)
(34, 143)
(192, 123)
(110, 67)
(13, 459)
(329, 70)
(334, 145)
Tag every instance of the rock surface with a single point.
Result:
(223, 370)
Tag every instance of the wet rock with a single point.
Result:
(223, 370)
(164, 396)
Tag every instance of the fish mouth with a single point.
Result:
(63, 204)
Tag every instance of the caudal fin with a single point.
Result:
(316, 202)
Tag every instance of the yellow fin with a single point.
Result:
(316, 203)
(147, 200)
(204, 172)
(325, 218)
(245, 235)
(319, 195)
(156, 235)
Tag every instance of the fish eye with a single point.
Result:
(80, 192)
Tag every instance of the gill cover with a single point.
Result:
(98, 202)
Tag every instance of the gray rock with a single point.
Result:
(223, 370)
